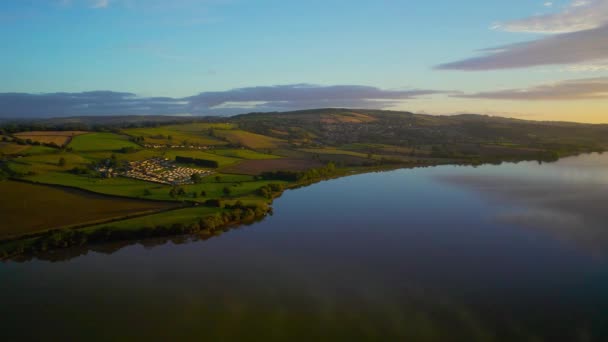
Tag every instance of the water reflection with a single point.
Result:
(566, 199)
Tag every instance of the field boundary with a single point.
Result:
(70, 187)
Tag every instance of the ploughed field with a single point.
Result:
(30, 208)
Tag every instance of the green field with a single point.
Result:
(249, 140)
(28, 208)
(118, 186)
(43, 163)
(240, 185)
(183, 216)
(200, 126)
(195, 134)
(34, 150)
(334, 151)
(92, 142)
(237, 189)
(243, 154)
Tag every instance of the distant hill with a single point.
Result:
(341, 126)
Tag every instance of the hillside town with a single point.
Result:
(163, 171)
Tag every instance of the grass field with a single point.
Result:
(377, 148)
(59, 138)
(215, 190)
(183, 216)
(243, 154)
(255, 167)
(240, 185)
(28, 208)
(36, 150)
(201, 127)
(118, 186)
(334, 151)
(194, 134)
(41, 163)
(101, 142)
(249, 140)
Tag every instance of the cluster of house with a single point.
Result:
(163, 171)
(190, 147)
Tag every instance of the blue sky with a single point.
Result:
(182, 48)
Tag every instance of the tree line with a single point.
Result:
(64, 238)
(197, 161)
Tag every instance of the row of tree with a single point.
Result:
(197, 161)
(64, 238)
(328, 170)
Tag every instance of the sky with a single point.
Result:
(529, 59)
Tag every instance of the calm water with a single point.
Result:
(515, 252)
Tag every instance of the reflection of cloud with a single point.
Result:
(584, 89)
(541, 217)
(573, 212)
(235, 101)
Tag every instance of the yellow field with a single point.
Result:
(60, 138)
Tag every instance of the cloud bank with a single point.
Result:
(583, 89)
(235, 101)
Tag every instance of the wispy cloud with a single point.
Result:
(577, 36)
(559, 49)
(101, 3)
(235, 101)
(583, 89)
(579, 15)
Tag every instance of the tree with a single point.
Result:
(196, 178)
(226, 190)
(147, 192)
(177, 191)
(218, 178)
(61, 162)
(203, 193)
(113, 162)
